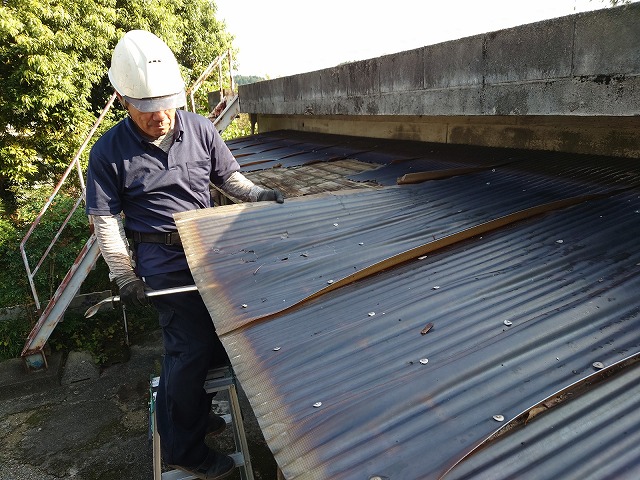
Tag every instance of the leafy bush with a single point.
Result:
(240, 127)
(14, 286)
(12, 336)
(103, 335)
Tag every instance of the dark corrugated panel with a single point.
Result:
(595, 435)
(567, 280)
(318, 240)
(383, 412)
(397, 157)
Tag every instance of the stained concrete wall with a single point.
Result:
(567, 84)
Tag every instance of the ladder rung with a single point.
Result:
(216, 384)
(238, 459)
(177, 475)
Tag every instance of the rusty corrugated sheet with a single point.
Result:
(567, 280)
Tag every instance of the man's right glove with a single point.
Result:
(271, 196)
(132, 290)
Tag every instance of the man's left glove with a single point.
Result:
(132, 290)
(271, 196)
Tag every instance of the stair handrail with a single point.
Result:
(75, 163)
(217, 62)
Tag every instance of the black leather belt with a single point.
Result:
(171, 238)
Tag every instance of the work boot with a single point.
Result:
(216, 426)
(215, 466)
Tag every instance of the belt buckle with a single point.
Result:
(167, 239)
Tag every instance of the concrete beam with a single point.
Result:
(585, 65)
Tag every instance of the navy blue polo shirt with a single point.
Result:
(129, 174)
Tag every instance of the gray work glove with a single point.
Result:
(270, 196)
(132, 290)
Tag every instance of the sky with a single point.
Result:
(276, 38)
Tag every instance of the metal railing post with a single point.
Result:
(75, 163)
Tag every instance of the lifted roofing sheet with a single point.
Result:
(329, 348)
(595, 435)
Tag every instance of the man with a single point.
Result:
(156, 162)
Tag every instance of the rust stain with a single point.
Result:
(426, 328)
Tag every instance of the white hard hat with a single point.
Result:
(145, 72)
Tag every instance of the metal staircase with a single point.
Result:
(33, 351)
(230, 112)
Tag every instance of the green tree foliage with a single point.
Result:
(247, 79)
(54, 56)
(52, 53)
(240, 127)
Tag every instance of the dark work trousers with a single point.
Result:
(191, 347)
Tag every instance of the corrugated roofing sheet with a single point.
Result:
(320, 303)
(596, 435)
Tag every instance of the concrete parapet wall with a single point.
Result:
(555, 73)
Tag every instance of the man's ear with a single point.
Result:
(122, 101)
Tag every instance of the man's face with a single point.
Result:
(152, 124)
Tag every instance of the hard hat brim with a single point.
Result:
(158, 104)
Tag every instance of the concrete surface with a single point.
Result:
(76, 422)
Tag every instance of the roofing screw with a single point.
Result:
(422, 257)
(436, 287)
(361, 243)
(329, 282)
(498, 418)
(275, 349)
(508, 323)
(559, 241)
(335, 224)
(244, 305)
(371, 314)
(317, 404)
(598, 365)
(424, 361)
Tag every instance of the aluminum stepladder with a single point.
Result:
(218, 379)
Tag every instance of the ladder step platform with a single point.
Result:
(218, 379)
